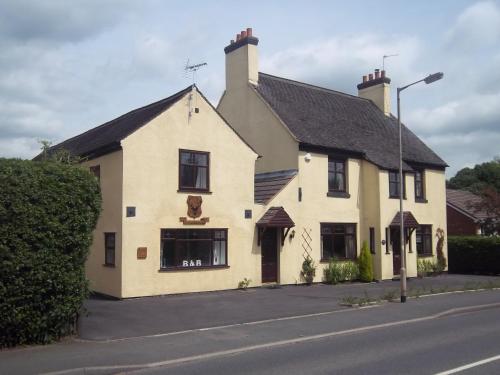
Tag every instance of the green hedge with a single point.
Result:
(47, 213)
(475, 254)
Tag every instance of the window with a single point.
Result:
(424, 240)
(338, 241)
(193, 170)
(394, 185)
(336, 175)
(109, 249)
(372, 240)
(419, 186)
(96, 171)
(191, 248)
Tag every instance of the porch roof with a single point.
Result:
(409, 220)
(275, 217)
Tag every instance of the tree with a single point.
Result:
(365, 264)
(478, 178)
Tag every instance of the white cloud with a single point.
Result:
(477, 26)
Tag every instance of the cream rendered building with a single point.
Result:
(342, 153)
(185, 211)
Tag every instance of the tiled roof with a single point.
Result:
(409, 220)
(267, 185)
(107, 137)
(465, 201)
(276, 217)
(325, 118)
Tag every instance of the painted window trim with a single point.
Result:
(212, 239)
(422, 198)
(190, 189)
(344, 193)
(354, 235)
(404, 184)
(422, 254)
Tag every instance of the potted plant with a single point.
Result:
(308, 270)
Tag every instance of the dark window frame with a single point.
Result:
(420, 181)
(345, 234)
(372, 240)
(424, 231)
(109, 249)
(178, 239)
(338, 171)
(397, 184)
(194, 189)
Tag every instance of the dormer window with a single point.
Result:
(337, 177)
(194, 171)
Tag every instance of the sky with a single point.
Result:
(68, 66)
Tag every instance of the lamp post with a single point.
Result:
(402, 243)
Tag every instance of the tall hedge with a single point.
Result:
(474, 255)
(48, 211)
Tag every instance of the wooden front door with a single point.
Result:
(269, 246)
(396, 250)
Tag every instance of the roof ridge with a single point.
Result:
(179, 93)
(316, 87)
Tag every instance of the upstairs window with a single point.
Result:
(336, 175)
(419, 186)
(424, 240)
(394, 185)
(338, 241)
(194, 171)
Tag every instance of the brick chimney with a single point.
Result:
(376, 87)
(242, 60)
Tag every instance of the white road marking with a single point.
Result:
(470, 365)
(274, 344)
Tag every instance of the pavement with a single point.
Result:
(424, 336)
(117, 319)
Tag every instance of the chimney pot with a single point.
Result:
(249, 31)
(365, 78)
(377, 73)
(370, 76)
(232, 41)
(238, 37)
(382, 73)
(243, 34)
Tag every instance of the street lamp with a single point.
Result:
(402, 273)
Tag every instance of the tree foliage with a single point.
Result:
(478, 178)
(48, 211)
(365, 264)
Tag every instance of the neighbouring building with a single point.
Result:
(197, 199)
(463, 215)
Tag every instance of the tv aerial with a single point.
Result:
(385, 57)
(193, 69)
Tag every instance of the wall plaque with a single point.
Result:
(142, 252)
(186, 221)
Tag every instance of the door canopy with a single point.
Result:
(275, 217)
(409, 220)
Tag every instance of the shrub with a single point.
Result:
(244, 284)
(47, 213)
(425, 267)
(365, 264)
(338, 271)
(441, 260)
(475, 254)
(308, 270)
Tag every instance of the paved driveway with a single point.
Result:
(112, 319)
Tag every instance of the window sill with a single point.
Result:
(421, 200)
(338, 194)
(337, 260)
(194, 191)
(199, 268)
(396, 197)
(109, 265)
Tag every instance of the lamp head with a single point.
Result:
(433, 77)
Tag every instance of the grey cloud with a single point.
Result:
(58, 20)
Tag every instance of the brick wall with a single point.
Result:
(460, 224)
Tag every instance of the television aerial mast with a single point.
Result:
(385, 57)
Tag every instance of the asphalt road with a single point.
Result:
(424, 336)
